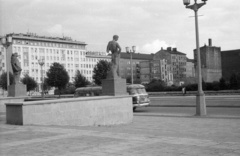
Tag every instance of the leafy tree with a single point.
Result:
(222, 84)
(57, 76)
(70, 89)
(156, 85)
(80, 80)
(204, 85)
(29, 82)
(216, 85)
(234, 81)
(45, 85)
(100, 71)
(3, 80)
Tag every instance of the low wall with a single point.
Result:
(4, 100)
(83, 111)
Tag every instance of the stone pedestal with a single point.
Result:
(114, 86)
(17, 89)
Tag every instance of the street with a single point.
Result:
(155, 130)
(219, 101)
(185, 105)
(186, 111)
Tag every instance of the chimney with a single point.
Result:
(169, 48)
(209, 42)
(174, 49)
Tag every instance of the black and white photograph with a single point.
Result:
(119, 78)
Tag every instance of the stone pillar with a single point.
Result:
(114, 86)
(16, 90)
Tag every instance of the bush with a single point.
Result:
(156, 86)
(70, 89)
(192, 87)
(173, 88)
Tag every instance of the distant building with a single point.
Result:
(230, 63)
(167, 65)
(190, 69)
(156, 69)
(210, 62)
(70, 53)
(178, 62)
(125, 65)
(190, 72)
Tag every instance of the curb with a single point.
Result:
(225, 106)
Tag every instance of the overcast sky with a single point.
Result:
(147, 24)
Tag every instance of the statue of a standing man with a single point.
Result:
(16, 67)
(115, 49)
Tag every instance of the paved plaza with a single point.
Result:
(148, 135)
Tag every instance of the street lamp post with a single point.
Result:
(200, 98)
(128, 50)
(41, 63)
(6, 42)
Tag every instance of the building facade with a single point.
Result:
(230, 63)
(156, 69)
(177, 61)
(125, 65)
(210, 62)
(190, 68)
(70, 53)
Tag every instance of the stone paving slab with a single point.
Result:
(146, 136)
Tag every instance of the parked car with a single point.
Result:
(88, 91)
(140, 97)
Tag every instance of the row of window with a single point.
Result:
(178, 57)
(48, 44)
(48, 51)
(179, 63)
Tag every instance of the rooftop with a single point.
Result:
(34, 36)
(136, 56)
(171, 51)
(190, 60)
(235, 50)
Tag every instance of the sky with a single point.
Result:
(146, 24)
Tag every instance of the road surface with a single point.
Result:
(219, 101)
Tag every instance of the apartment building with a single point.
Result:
(178, 61)
(190, 69)
(230, 63)
(211, 64)
(156, 69)
(70, 53)
(125, 65)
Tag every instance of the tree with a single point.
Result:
(100, 71)
(204, 85)
(29, 82)
(45, 85)
(156, 85)
(234, 81)
(128, 79)
(80, 80)
(3, 80)
(57, 76)
(222, 84)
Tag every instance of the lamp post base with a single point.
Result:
(200, 105)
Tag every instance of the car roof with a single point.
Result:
(89, 88)
(135, 86)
